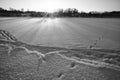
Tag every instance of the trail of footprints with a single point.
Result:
(47, 57)
(52, 63)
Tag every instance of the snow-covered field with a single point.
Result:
(65, 32)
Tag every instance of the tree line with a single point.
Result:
(70, 12)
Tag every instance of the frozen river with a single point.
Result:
(65, 32)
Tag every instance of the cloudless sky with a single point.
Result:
(51, 5)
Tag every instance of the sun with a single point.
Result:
(50, 5)
(50, 10)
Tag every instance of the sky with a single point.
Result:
(52, 5)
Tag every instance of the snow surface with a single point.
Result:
(65, 32)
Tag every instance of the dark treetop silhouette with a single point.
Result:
(70, 12)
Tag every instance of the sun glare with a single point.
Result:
(50, 22)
